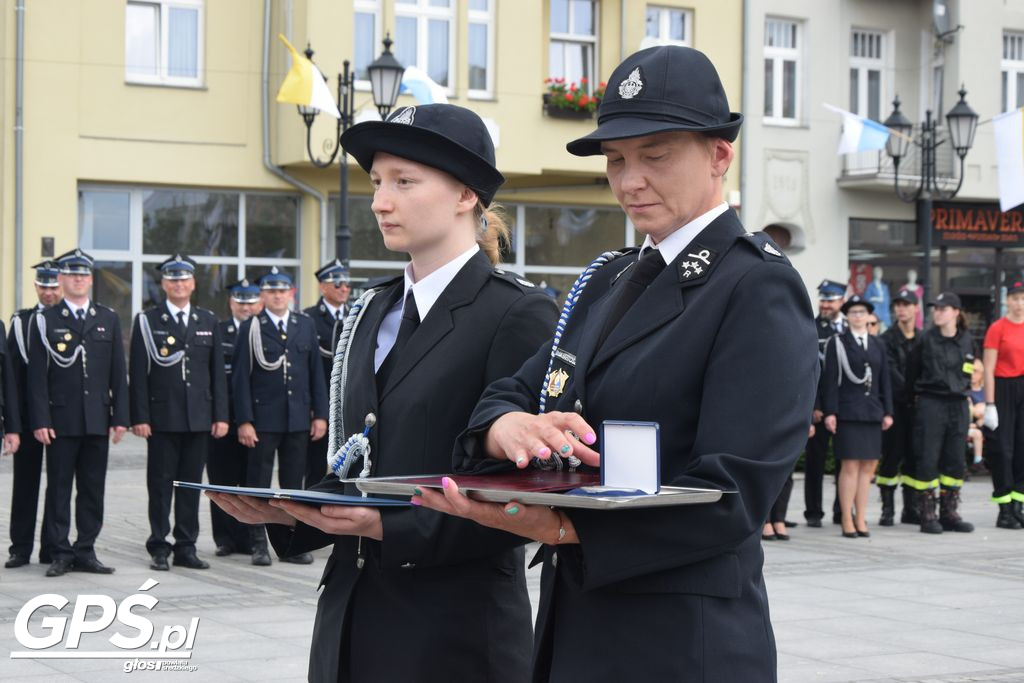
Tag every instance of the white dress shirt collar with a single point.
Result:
(75, 308)
(174, 311)
(681, 238)
(238, 323)
(428, 290)
(333, 310)
(275, 319)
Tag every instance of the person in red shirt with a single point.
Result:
(1004, 408)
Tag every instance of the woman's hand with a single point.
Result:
(521, 437)
(337, 520)
(830, 423)
(250, 510)
(886, 422)
(536, 522)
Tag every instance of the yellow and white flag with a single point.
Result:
(305, 85)
(1009, 133)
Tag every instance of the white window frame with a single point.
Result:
(162, 77)
(579, 39)
(485, 18)
(1011, 65)
(369, 7)
(779, 55)
(422, 12)
(863, 64)
(139, 260)
(664, 14)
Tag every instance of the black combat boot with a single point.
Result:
(888, 505)
(1006, 519)
(911, 511)
(1017, 511)
(949, 517)
(929, 521)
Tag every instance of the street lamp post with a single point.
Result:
(385, 81)
(961, 123)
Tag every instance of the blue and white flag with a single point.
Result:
(417, 83)
(859, 134)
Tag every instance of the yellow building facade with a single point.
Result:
(150, 128)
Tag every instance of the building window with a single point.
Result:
(782, 44)
(867, 62)
(573, 41)
(481, 48)
(425, 38)
(164, 42)
(668, 26)
(230, 235)
(365, 40)
(1013, 71)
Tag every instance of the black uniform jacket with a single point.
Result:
(286, 399)
(17, 351)
(440, 597)
(190, 395)
(228, 334)
(847, 400)
(88, 397)
(9, 408)
(719, 350)
(942, 366)
(898, 349)
(826, 330)
(328, 329)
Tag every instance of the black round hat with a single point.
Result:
(857, 300)
(447, 137)
(661, 89)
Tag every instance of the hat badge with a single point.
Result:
(78, 252)
(274, 270)
(631, 86)
(245, 283)
(405, 115)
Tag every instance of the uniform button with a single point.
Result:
(188, 384)
(409, 565)
(289, 392)
(554, 559)
(86, 392)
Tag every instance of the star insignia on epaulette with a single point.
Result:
(525, 283)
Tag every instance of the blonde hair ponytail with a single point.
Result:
(492, 232)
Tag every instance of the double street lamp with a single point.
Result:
(961, 123)
(385, 75)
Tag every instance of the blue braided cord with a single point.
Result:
(555, 462)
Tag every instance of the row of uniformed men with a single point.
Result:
(227, 395)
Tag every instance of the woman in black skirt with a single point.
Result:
(857, 402)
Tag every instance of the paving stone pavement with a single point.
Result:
(897, 607)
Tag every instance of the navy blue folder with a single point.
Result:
(298, 495)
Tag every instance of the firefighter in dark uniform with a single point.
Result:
(830, 321)
(722, 335)
(226, 462)
(940, 369)
(898, 440)
(28, 466)
(328, 314)
(77, 405)
(280, 395)
(178, 401)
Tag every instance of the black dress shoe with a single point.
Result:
(16, 561)
(791, 524)
(768, 537)
(814, 523)
(224, 550)
(191, 561)
(159, 563)
(301, 558)
(849, 534)
(59, 568)
(864, 534)
(261, 558)
(781, 537)
(92, 566)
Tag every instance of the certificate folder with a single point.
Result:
(297, 495)
(541, 487)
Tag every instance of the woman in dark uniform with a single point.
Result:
(939, 369)
(405, 587)
(857, 402)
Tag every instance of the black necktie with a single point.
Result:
(80, 316)
(181, 323)
(638, 278)
(410, 321)
(863, 342)
(280, 328)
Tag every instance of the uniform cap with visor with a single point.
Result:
(830, 290)
(275, 280)
(75, 262)
(177, 267)
(46, 273)
(335, 272)
(244, 292)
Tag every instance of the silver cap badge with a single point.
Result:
(631, 87)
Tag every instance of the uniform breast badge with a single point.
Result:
(163, 351)
(556, 383)
(170, 341)
(62, 347)
(67, 336)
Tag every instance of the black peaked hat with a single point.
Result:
(661, 89)
(947, 299)
(857, 300)
(447, 137)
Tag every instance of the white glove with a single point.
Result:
(991, 419)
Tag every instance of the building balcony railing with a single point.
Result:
(874, 169)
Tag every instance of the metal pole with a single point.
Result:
(19, 151)
(344, 241)
(924, 228)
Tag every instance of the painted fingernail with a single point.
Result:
(589, 438)
(445, 481)
(417, 491)
(565, 449)
(544, 452)
(416, 502)
(514, 510)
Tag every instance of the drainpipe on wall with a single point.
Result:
(265, 108)
(744, 105)
(19, 143)
(622, 31)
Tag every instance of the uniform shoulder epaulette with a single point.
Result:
(23, 311)
(383, 284)
(301, 313)
(763, 245)
(103, 307)
(515, 279)
(205, 311)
